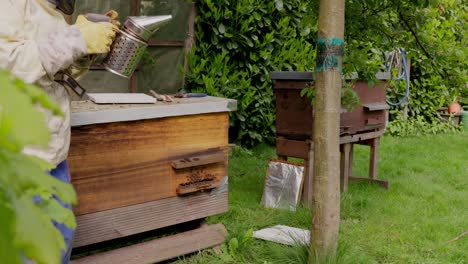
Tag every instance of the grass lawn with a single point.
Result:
(426, 206)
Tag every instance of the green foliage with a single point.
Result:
(349, 98)
(239, 43)
(234, 247)
(26, 227)
(309, 91)
(434, 34)
(464, 95)
(418, 126)
(363, 58)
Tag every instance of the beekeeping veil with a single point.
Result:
(66, 6)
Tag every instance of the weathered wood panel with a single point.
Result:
(198, 160)
(292, 148)
(360, 120)
(161, 249)
(116, 223)
(126, 163)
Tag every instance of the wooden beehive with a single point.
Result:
(295, 124)
(142, 167)
(294, 113)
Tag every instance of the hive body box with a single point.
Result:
(294, 113)
(142, 167)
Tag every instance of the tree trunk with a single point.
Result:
(326, 183)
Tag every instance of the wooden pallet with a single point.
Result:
(122, 222)
(161, 249)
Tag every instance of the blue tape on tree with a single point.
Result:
(330, 54)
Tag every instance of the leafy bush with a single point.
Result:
(434, 36)
(238, 43)
(418, 126)
(26, 227)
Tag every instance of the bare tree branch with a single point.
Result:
(406, 23)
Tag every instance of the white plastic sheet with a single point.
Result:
(283, 185)
(285, 235)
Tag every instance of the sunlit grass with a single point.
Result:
(426, 206)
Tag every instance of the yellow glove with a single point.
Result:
(98, 36)
(113, 15)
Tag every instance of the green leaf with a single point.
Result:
(279, 5)
(35, 233)
(248, 236)
(233, 245)
(8, 252)
(28, 175)
(26, 228)
(18, 116)
(221, 28)
(59, 213)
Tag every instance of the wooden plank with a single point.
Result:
(361, 137)
(351, 158)
(161, 249)
(198, 160)
(376, 106)
(374, 121)
(116, 223)
(309, 177)
(292, 76)
(374, 156)
(345, 166)
(292, 148)
(127, 163)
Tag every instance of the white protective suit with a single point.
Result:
(36, 43)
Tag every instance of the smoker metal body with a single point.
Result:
(131, 43)
(125, 56)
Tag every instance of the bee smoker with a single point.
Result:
(127, 49)
(131, 43)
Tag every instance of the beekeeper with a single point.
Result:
(35, 44)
